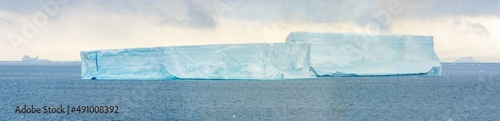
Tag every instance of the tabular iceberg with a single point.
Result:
(237, 61)
(303, 55)
(357, 54)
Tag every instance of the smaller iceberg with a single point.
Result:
(469, 59)
(358, 54)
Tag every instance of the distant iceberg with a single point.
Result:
(303, 55)
(469, 59)
(27, 58)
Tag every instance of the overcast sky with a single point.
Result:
(60, 29)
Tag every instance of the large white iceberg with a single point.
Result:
(303, 55)
(236, 61)
(358, 54)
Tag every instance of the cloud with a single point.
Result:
(438, 8)
(102, 24)
(466, 7)
(478, 28)
(203, 13)
(476, 36)
(198, 17)
(5, 22)
(186, 13)
(18, 6)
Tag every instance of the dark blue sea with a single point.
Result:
(465, 92)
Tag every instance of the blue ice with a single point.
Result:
(359, 54)
(229, 61)
(303, 55)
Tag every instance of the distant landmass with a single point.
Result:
(468, 59)
(27, 58)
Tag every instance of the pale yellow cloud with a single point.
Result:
(90, 26)
(456, 37)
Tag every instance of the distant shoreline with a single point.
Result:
(39, 62)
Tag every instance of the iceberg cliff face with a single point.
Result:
(139, 63)
(356, 54)
(238, 61)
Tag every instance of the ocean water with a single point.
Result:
(464, 92)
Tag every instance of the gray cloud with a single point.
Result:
(360, 12)
(478, 28)
(465, 7)
(102, 20)
(197, 17)
(18, 6)
(322, 11)
(6, 22)
(202, 13)
(190, 13)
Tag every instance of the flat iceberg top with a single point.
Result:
(321, 37)
(357, 54)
